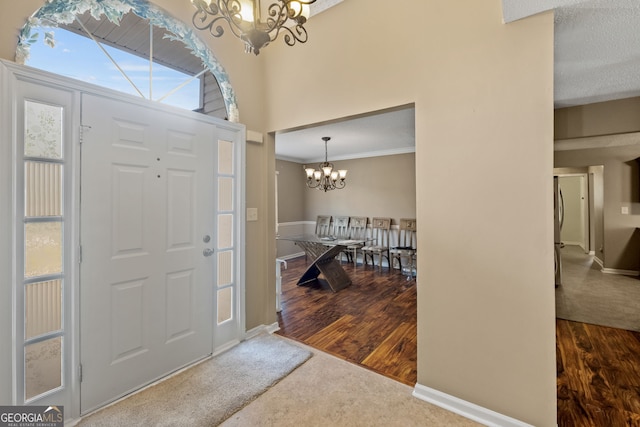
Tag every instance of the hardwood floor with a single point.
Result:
(373, 323)
(598, 375)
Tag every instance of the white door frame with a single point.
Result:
(10, 73)
(584, 208)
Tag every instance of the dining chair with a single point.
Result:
(379, 244)
(341, 232)
(323, 225)
(323, 229)
(406, 246)
(341, 227)
(357, 232)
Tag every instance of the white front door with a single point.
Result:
(147, 237)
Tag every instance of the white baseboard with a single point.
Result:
(274, 327)
(260, 329)
(469, 410)
(605, 270)
(622, 272)
(592, 252)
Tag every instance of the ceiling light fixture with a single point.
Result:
(256, 25)
(325, 178)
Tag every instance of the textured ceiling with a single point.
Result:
(597, 47)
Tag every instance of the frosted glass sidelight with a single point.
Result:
(43, 367)
(42, 308)
(43, 248)
(225, 306)
(225, 231)
(43, 189)
(43, 130)
(225, 268)
(225, 194)
(225, 157)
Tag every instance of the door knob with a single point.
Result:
(207, 252)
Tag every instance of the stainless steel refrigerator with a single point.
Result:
(558, 219)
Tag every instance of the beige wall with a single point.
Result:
(609, 122)
(291, 206)
(376, 187)
(601, 118)
(382, 186)
(485, 316)
(291, 191)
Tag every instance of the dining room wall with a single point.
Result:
(382, 186)
(389, 192)
(291, 191)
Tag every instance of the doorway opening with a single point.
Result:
(380, 183)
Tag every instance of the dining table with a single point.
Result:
(324, 250)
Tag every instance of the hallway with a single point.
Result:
(598, 367)
(590, 296)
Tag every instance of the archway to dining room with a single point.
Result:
(372, 322)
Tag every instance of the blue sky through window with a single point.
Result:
(80, 58)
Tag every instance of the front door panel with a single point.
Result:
(147, 201)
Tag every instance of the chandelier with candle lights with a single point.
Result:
(254, 23)
(325, 178)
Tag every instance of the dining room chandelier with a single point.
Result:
(325, 178)
(255, 22)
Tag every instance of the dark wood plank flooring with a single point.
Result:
(598, 375)
(373, 323)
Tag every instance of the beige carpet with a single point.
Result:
(588, 295)
(330, 392)
(208, 393)
(324, 391)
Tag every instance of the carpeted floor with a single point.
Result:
(210, 392)
(589, 296)
(330, 392)
(323, 391)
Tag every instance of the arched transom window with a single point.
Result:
(128, 45)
